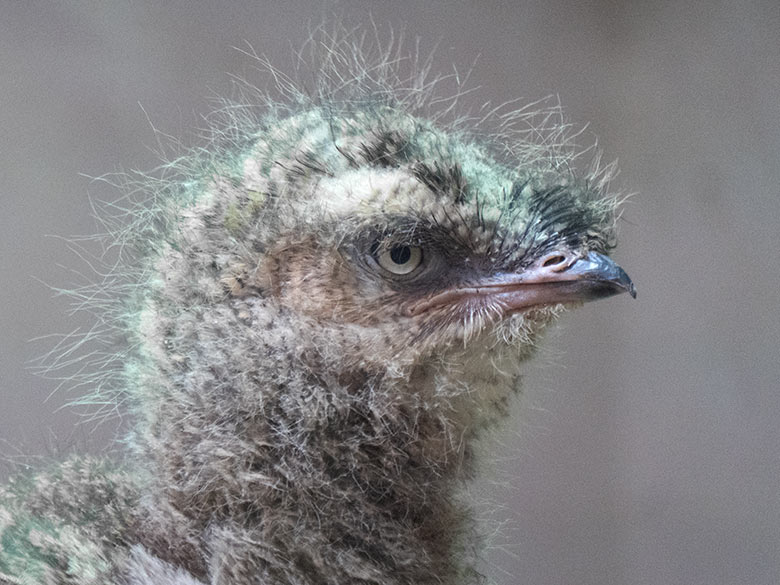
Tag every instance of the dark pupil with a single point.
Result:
(400, 254)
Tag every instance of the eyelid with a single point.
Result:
(368, 244)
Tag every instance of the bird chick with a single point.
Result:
(333, 308)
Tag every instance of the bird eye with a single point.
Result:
(400, 259)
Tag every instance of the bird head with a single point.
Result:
(362, 242)
(381, 231)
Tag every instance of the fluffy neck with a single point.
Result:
(280, 470)
(346, 486)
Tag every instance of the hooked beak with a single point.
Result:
(558, 277)
(587, 278)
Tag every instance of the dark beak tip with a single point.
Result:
(626, 281)
(602, 268)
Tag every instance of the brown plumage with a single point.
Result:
(331, 306)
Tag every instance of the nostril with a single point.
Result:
(554, 260)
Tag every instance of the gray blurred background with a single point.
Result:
(647, 447)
